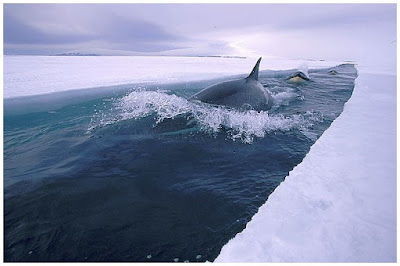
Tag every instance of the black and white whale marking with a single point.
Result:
(247, 93)
(298, 77)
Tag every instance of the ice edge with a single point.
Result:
(321, 224)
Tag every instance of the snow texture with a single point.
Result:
(339, 204)
(37, 75)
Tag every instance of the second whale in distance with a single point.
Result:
(246, 93)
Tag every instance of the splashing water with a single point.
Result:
(303, 67)
(243, 125)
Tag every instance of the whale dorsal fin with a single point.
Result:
(254, 72)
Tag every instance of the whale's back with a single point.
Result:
(241, 93)
(247, 93)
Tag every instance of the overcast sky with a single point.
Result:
(317, 31)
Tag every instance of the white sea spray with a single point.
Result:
(242, 125)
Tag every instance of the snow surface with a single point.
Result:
(339, 204)
(37, 75)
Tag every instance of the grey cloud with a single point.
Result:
(183, 27)
(105, 27)
(19, 32)
(333, 15)
(121, 29)
(137, 35)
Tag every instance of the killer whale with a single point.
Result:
(298, 77)
(333, 72)
(245, 93)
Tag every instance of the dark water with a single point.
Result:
(144, 172)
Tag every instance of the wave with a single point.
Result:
(242, 125)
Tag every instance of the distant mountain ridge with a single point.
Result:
(77, 54)
(94, 54)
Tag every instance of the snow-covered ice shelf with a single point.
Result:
(36, 75)
(339, 204)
